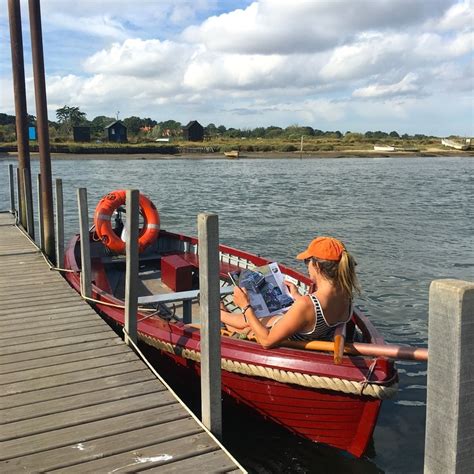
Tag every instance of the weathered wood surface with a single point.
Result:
(73, 396)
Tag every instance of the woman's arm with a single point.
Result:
(235, 320)
(293, 289)
(296, 319)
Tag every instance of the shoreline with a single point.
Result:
(10, 155)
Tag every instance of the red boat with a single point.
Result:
(302, 390)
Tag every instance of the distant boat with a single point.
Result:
(388, 148)
(384, 148)
(456, 145)
(232, 154)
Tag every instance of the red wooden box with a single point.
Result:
(176, 273)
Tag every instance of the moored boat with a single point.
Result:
(232, 154)
(302, 390)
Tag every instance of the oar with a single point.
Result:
(391, 351)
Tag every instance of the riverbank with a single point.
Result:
(248, 155)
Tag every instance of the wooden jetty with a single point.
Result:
(73, 396)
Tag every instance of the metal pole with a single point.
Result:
(42, 124)
(12, 189)
(19, 90)
(40, 214)
(59, 223)
(131, 277)
(30, 223)
(86, 282)
(208, 235)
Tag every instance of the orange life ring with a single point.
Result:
(103, 225)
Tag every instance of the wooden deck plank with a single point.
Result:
(57, 335)
(97, 397)
(51, 328)
(88, 414)
(211, 462)
(28, 347)
(44, 313)
(59, 360)
(137, 376)
(39, 373)
(71, 391)
(74, 314)
(64, 379)
(32, 356)
(89, 431)
(101, 447)
(158, 454)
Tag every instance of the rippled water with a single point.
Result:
(408, 221)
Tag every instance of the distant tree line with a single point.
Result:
(67, 117)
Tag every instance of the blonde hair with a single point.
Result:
(341, 273)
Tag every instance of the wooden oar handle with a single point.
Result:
(390, 351)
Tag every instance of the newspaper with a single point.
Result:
(267, 293)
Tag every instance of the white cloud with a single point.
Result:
(99, 26)
(321, 63)
(282, 27)
(407, 86)
(142, 58)
(459, 16)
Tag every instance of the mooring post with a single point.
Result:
(30, 223)
(19, 195)
(450, 393)
(12, 189)
(40, 214)
(131, 277)
(86, 282)
(59, 223)
(211, 408)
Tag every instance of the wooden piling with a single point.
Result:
(42, 127)
(30, 223)
(450, 393)
(12, 189)
(208, 235)
(40, 213)
(86, 282)
(21, 114)
(19, 194)
(131, 277)
(59, 223)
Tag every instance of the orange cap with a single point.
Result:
(325, 248)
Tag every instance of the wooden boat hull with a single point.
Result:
(272, 382)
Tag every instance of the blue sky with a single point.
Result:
(358, 65)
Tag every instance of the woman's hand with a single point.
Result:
(292, 289)
(241, 298)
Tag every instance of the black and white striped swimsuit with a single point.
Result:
(322, 330)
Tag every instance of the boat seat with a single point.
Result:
(185, 296)
(180, 296)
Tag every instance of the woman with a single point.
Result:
(314, 316)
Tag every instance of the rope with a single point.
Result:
(160, 378)
(365, 387)
(46, 259)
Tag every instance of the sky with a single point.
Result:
(348, 65)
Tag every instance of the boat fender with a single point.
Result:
(103, 221)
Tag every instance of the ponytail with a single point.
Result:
(341, 273)
(346, 275)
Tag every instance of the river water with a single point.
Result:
(407, 221)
